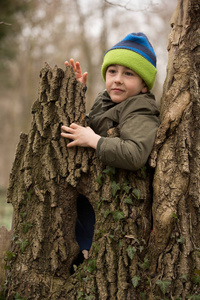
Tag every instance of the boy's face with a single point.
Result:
(122, 83)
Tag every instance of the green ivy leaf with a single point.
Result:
(126, 188)
(120, 243)
(115, 187)
(98, 204)
(18, 297)
(185, 277)
(181, 240)
(26, 227)
(145, 264)
(80, 295)
(143, 295)
(195, 297)
(128, 200)
(141, 248)
(92, 265)
(137, 194)
(29, 194)
(23, 215)
(131, 251)
(86, 279)
(135, 281)
(89, 297)
(96, 247)
(144, 171)
(105, 213)
(9, 256)
(173, 215)
(196, 279)
(23, 244)
(110, 171)
(118, 215)
(6, 267)
(163, 285)
(99, 179)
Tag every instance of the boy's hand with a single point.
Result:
(77, 70)
(81, 136)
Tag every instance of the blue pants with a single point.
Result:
(84, 223)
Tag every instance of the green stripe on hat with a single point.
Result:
(131, 60)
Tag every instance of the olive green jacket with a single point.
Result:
(138, 122)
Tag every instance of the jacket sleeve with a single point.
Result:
(131, 150)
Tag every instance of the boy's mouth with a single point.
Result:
(117, 90)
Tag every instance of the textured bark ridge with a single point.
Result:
(42, 185)
(45, 182)
(5, 236)
(175, 242)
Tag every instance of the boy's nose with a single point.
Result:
(118, 78)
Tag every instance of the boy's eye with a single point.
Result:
(112, 71)
(129, 73)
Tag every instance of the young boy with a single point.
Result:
(129, 70)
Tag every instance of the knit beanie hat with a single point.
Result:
(134, 52)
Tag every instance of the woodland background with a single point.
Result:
(33, 32)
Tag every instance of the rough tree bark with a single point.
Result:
(45, 182)
(126, 260)
(174, 248)
(5, 236)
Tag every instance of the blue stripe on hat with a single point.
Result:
(136, 47)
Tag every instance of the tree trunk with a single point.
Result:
(126, 260)
(45, 182)
(174, 247)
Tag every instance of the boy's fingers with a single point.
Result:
(66, 135)
(65, 127)
(68, 129)
(72, 144)
(72, 63)
(74, 126)
(85, 78)
(78, 67)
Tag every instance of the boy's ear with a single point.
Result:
(144, 89)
